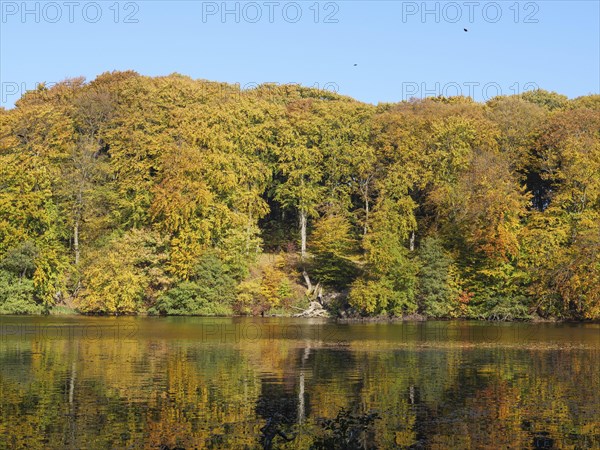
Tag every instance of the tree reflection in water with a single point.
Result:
(170, 387)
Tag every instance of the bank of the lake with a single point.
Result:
(344, 318)
(333, 315)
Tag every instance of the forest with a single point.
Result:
(172, 196)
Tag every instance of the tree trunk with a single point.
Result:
(72, 383)
(72, 405)
(301, 409)
(76, 241)
(319, 293)
(307, 280)
(412, 241)
(301, 406)
(366, 215)
(314, 310)
(78, 214)
(248, 233)
(303, 220)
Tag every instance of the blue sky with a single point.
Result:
(399, 51)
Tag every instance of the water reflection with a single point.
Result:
(235, 383)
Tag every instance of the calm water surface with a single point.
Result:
(88, 383)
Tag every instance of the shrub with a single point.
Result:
(210, 292)
(272, 289)
(438, 292)
(190, 298)
(499, 294)
(16, 295)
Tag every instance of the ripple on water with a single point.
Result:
(216, 383)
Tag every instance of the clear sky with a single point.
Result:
(375, 51)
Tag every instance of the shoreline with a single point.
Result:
(413, 318)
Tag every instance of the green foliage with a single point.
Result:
(20, 261)
(16, 295)
(438, 289)
(130, 192)
(191, 298)
(499, 294)
(388, 285)
(210, 291)
(332, 246)
(239, 249)
(383, 295)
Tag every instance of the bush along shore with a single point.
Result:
(172, 196)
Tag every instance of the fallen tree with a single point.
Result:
(315, 309)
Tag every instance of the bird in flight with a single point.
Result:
(465, 30)
(355, 65)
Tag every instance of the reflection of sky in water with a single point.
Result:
(230, 383)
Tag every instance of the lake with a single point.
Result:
(139, 382)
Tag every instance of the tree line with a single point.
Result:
(167, 195)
